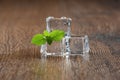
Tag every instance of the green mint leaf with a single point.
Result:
(49, 37)
(46, 33)
(49, 40)
(38, 39)
(57, 35)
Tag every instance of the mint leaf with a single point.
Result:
(38, 39)
(49, 40)
(57, 35)
(46, 33)
(49, 37)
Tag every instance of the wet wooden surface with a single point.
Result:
(20, 20)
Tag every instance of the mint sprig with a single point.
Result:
(49, 37)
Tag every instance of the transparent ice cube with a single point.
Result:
(54, 49)
(76, 45)
(62, 23)
(57, 48)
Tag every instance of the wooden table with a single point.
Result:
(20, 20)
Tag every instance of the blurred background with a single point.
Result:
(99, 19)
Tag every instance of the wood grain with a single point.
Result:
(20, 20)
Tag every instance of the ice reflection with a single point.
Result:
(63, 68)
(86, 56)
(73, 67)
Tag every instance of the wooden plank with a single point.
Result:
(20, 60)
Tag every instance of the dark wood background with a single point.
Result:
(21, 19)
